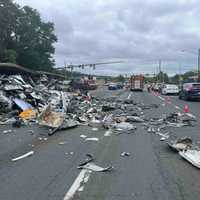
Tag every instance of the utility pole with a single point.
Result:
(179, 77)
(198, 65)
(160, 75)
(65, 67)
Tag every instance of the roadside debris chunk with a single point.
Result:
(50, 118)
(192, 156)
(134, 119)
(22, 104)
(92, 139)
(181, 144)
(123, 154)
(124, 126)
(28, 114)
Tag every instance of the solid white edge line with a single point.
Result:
(77, 183)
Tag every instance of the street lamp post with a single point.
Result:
(198, 65)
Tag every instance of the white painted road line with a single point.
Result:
(79, 182)
(129, 96)
(161, 98)
(177, 107)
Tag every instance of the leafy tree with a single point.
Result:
(162, 77)
(11, 56)
(35, 39)
(175, 79)
(120, 78)
(188, 74)
(9, 12)
(23, 31)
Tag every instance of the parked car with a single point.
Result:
(170, 89)
(112, 86)
(156, 87)
(120, 85)
(190, 91)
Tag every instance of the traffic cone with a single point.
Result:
(186, 109)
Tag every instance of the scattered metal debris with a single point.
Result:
(123, 154)
(182, 144)
(124, 126)
(42, 138)
(134, 119)
(62, 143)
(70, 153)
(95, 168)
(7, 131)
(30, 153)
(83, 136)
(92, 139)
(192, 156)
(41, 101)
(95, 129)
(89, 158)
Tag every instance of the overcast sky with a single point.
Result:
(135, 31)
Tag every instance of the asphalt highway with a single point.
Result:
(151, 172)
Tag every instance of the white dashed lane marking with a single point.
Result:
(177, 107)
(129, 96)
(78, 184)
(161, 98)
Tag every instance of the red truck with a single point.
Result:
(137, 83)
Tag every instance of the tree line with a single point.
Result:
(25, 39)
(176, 79)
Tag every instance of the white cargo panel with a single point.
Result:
(137, 84)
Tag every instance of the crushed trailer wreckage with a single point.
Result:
(38, 101)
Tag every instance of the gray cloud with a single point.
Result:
(139, 32)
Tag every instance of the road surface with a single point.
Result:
(151, 172)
